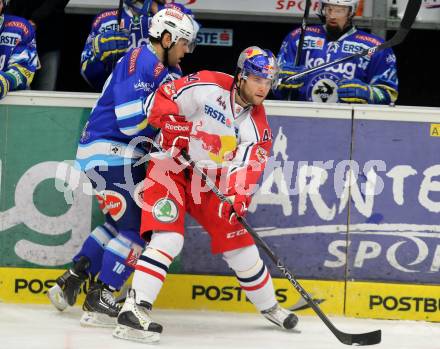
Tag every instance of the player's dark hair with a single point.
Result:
(159, 41)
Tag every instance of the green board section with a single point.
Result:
(42, 223)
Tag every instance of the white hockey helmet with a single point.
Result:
(175, 22)
(353, 4)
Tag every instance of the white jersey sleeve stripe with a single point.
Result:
(128, 110)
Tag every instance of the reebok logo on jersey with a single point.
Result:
(179, 128)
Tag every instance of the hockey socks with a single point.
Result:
(93, 247)
(257, 283)
(151, 270)
(118, 261)
(152, 266)
(252, 275)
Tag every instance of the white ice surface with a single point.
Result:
(43, 327)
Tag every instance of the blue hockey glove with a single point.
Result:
(4, 85)
(357, 91)
(110, 44)
(287, 71)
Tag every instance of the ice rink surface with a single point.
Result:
(42, 327)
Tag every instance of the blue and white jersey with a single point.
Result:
(321, 86)
(118, 115)
(95, 71)
(18, 52)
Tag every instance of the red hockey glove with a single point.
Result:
(175, 133)
(238, 207)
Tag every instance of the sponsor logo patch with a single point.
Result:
(158, 68)
(169, 89)
(165, 211)
(112, 203)
(143, 85)
(132, 61)
(17, 24)
(313, 43)
(10, 39)
(353, 47)
(215, 114)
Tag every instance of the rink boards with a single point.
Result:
(222, 293)
(350, 198)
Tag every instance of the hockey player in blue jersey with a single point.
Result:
(107, 155)
(369, 79)
(18, 53)
(109, 40)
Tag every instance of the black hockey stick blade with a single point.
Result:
(411, 11)
(361, 339)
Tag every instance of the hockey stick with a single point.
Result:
(120, 9)
(303, 32)
(368, 338)
(301, 38)
(411, 11)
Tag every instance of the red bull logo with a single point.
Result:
(210, 142)
(219, 147)
(251, 52)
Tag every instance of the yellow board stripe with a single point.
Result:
(222, 293)
(393, 301)
(201, 292)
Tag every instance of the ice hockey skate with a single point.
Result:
(135, 323)
(100, 307)
(281, 317)
(65, 292)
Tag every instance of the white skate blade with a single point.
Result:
(56, 297)
(92, 319)
(131, 334)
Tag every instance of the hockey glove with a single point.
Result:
(110, 44)
(175, 133)
(357, 91)
(238, 207)
(287, 71)
(4, 85)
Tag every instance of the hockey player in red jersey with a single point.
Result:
(219, 120)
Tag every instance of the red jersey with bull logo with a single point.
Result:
(223, 133)
(224, 136)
